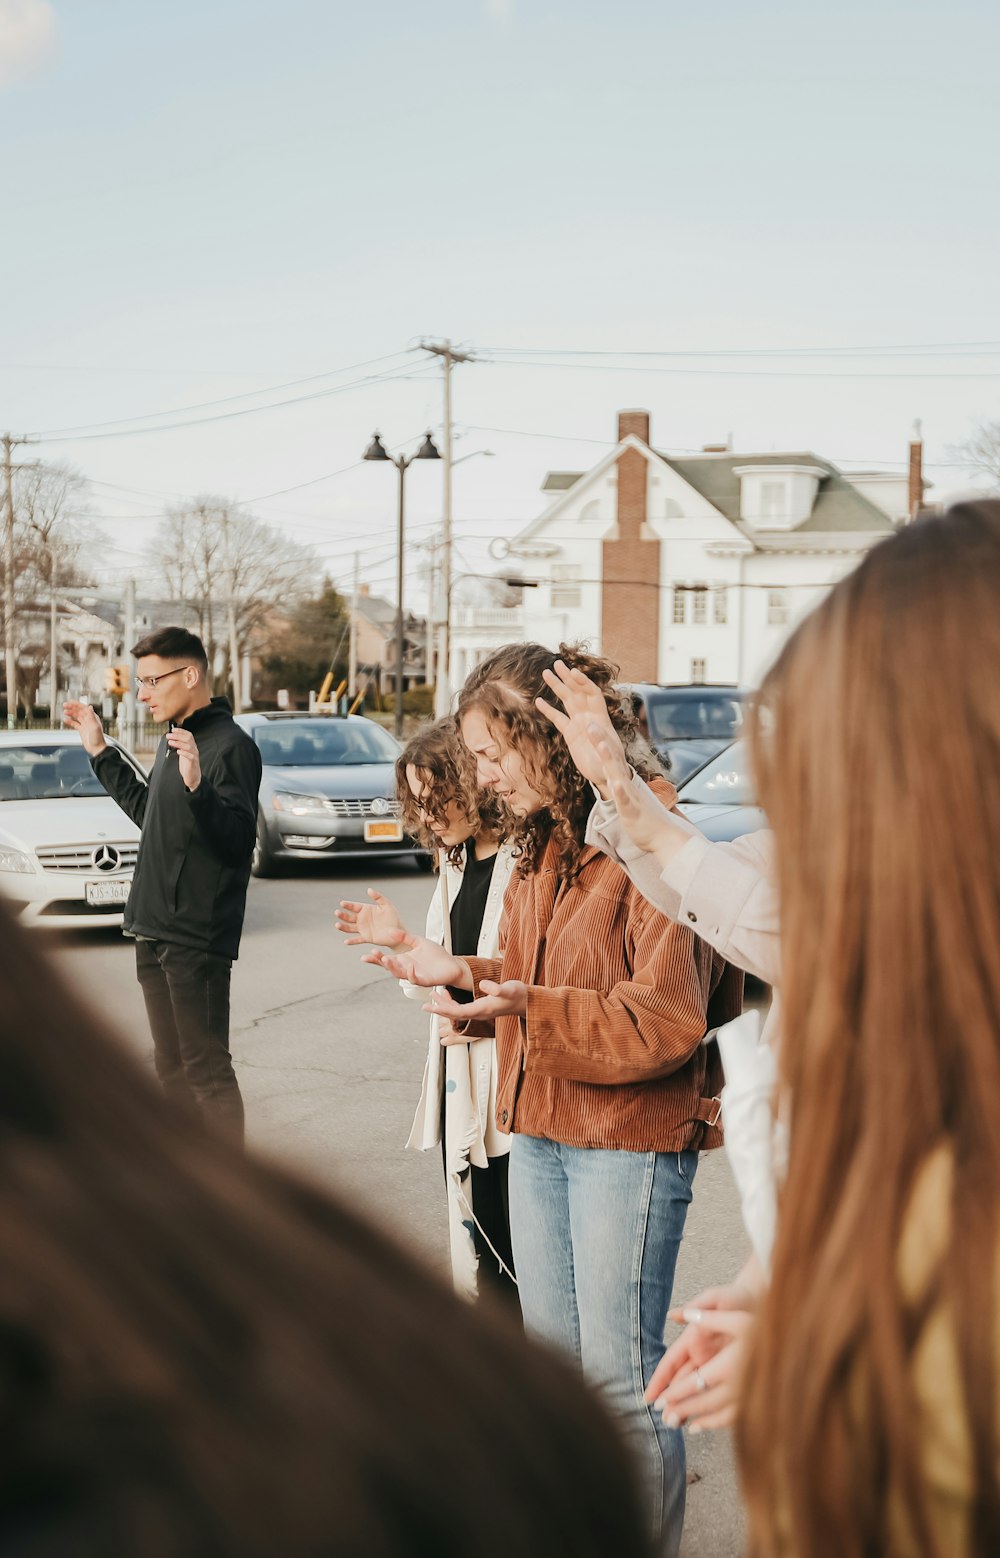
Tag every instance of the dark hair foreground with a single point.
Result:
(202, 1355)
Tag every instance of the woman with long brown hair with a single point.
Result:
(869, 1422)
(600, 1007)
(202, 1356)
(441, 805)
(871, 1403)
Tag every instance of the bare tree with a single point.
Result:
(52, 536)
(209, 550)
(980, 452)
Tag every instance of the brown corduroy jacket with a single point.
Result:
(610, 1054)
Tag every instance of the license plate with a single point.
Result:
(391, 832)
(101, 893)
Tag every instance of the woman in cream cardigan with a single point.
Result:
(456, 1111)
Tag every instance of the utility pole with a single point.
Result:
(400, 638)
(431, 615)
(442, 696)
(129, 701)
(10, 649)
(53, 637)
(352, 663)
(234, 655)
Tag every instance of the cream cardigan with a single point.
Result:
(463, 1076)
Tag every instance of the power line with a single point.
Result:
(203, 405)
(676, 449)
(949, 348)
(225, 416)
(726, 373)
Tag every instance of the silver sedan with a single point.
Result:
(327, 790)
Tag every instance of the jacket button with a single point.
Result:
(503, 1118)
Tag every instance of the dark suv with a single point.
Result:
(688, 724)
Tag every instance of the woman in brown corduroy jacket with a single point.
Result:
(600, 1006)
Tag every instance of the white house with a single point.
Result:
(687, 569)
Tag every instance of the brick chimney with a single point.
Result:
(915, 485)
(630, 567)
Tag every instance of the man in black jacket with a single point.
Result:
(198, 816)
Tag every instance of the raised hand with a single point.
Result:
(377, 923)
(424, 962)
(650, 824)
(497, 1000)
(81, 717)
(183, 743)
(583, 722)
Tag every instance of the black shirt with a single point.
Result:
(190, 881)
(469, 907)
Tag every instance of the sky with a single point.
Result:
(791, 209)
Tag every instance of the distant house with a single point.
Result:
(375, 620)
(688, 569)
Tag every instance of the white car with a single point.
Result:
(67, 851)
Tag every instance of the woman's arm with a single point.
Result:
(723, 891)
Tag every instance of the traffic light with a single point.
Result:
(116, 680)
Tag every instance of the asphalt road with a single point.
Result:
(330, 1058)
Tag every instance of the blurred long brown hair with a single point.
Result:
(203, 1356)
(876, 746)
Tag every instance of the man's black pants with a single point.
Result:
(187, 1002)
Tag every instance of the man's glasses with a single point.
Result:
(153, 681)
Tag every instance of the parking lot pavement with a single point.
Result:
(330, 1058)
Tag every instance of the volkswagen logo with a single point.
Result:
(380, 807)
(106, 858)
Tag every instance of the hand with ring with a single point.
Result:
(696, 1383)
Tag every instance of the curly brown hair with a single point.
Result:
(444, 765)
(504, 688)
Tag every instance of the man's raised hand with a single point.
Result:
(83, 718)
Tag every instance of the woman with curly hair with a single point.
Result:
(443, 807)
(600, 1006)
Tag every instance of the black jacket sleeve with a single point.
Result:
(122, 783)
(225, 805)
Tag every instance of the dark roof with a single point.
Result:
(382, 614)
(839, 507)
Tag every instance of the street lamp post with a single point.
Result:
(377, 451)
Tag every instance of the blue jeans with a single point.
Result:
(595, 1237)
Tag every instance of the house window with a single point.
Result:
(777, 608)
(680, 605)
(566, 592)
(699, 604)
(698, 671)
(772, 500)
(720, 605)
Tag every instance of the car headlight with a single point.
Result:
(16, 860)
(299, 805)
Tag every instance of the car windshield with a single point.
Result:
(323, 743)
(715, 715)
(725, 780)
(43, 773)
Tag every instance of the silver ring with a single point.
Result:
(700, 1380)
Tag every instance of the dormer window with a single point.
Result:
(773, 500)
(778, 496)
